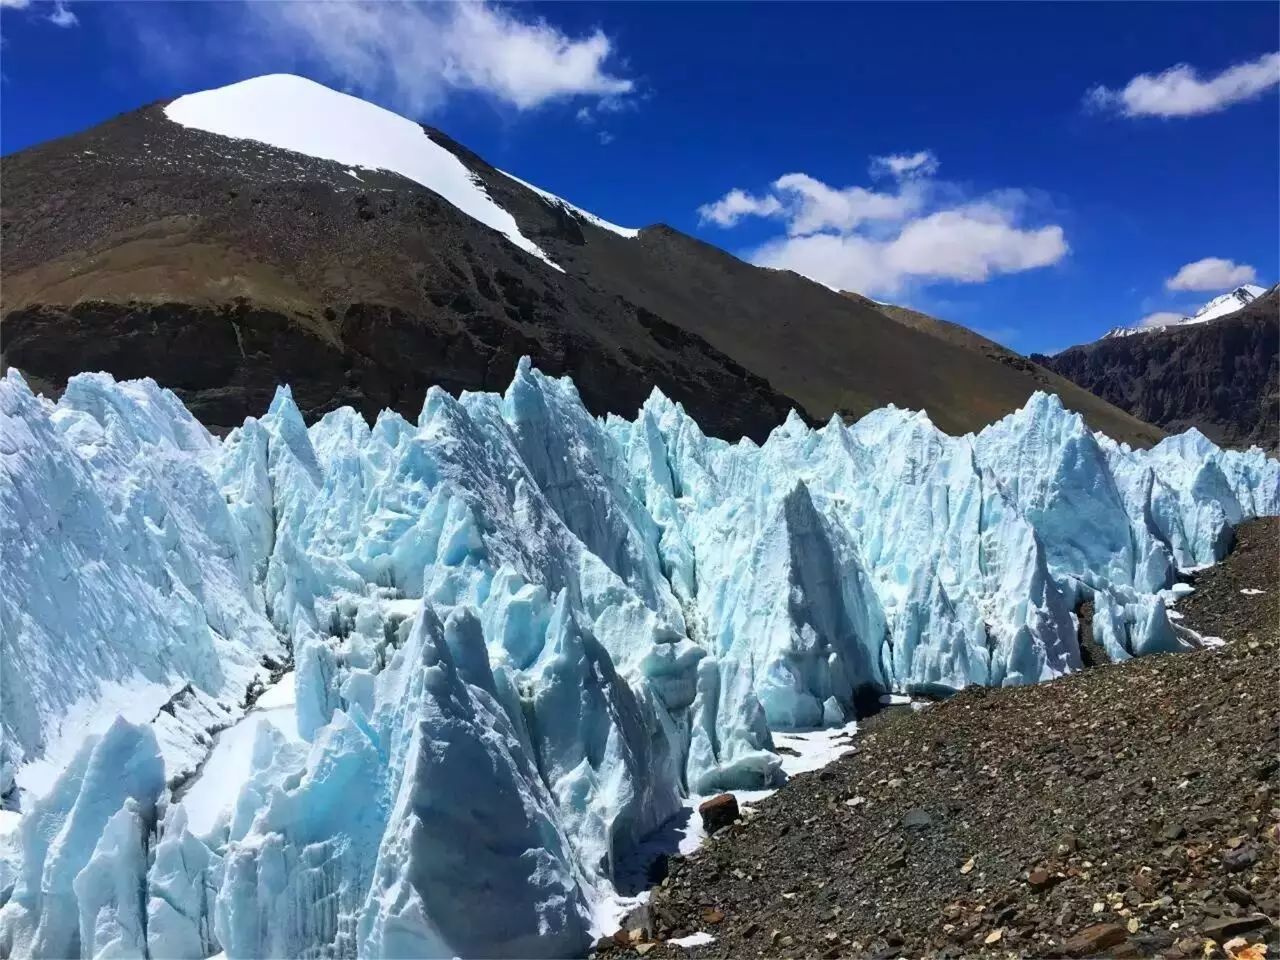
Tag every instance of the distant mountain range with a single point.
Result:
(278, 231)
(1222, 377)
(1220, 306)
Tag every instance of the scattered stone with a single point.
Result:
(1239, 895)
(1174, 844)
(1095, 939)
(917, 819)
(993, 937)
(1227, 927)
(720, 811)
(1242, 858)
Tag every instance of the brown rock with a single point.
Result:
(1228, 927)
(1094, 939)
(1039, 878)
(719, 811)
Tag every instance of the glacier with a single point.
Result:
(502, 645)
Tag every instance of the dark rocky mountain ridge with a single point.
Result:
(222, 267)
(1222, 376)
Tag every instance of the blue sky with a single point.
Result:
(1056, 167)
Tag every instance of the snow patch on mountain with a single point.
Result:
(297, 114)
(522, 638)
(629, 233)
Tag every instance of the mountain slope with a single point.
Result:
(1074, 397)
(1219, 377)
(223, 266)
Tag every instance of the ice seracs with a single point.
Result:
(521, 637)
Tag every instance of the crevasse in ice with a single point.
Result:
(520, 635)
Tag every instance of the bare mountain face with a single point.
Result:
(222, 266)
(1075, 397)
(1222, 377)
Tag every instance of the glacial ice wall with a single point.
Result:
(519, 634)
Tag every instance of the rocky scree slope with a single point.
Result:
(223, 266)
(1128, 810)
(1222, 377)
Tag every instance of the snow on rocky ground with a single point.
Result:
(525, 640)
(805, 751)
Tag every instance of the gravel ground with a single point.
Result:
(1128, 810)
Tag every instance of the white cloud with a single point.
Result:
(1181, 92)
(964, 245)
(853, 238)
(735, 205)
(921, 163)
(814, 206)
(809, 205)
(416, 54)
(970, 244)
(1161, 318)
(1211, 273)
(62, 17)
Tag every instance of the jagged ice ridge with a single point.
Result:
(520, 635)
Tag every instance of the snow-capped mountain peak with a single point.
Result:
(1227, 303)
(1219, 306)
(297, 114)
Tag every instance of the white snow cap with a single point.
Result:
(1220, 306)
(298, 114)
(1227, 303)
